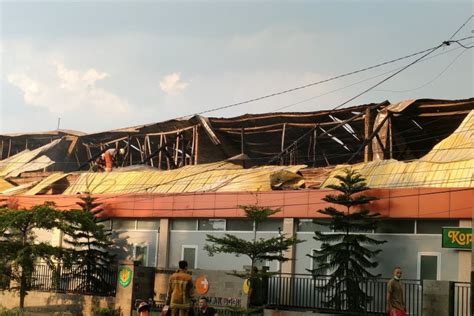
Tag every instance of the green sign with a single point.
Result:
(457, 237)
(125, 276)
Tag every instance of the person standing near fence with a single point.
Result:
(395, 301)
(180, 291)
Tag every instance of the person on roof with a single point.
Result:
(109, 157)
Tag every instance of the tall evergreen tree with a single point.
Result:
(91, 244)
(344, 252)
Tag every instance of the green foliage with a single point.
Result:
(90, 243)
(345, 251)
(11, 312)
(106, 311)
(269, 249)
(19, 250)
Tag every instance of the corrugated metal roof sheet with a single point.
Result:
(26, 161)
(4, 185)
(449, 164)
(215, 177)
(46, 183)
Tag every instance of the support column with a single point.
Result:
(163, 244)
(289, 231)
(464, 257)
(124, 294)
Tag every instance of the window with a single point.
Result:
(395, 226)
(314, 264)
(183, 224)
(107, 224)
(140, 253)
(434, 226)
(189, 253)
(123, 224)
(239, 225)
(429, 265)
(308, 225)
(143, 224)
(270, 225)
(212, 224)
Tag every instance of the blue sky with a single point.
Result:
(105, 65)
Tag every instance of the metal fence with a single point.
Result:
(101, 282)
(462, 299)
(308, 292)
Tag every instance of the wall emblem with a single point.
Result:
(201, 284)
(125, 276)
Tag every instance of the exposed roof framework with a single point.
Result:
(402, 131)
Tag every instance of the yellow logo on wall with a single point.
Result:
(246, 286)
(125, 276)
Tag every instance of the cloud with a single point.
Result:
(64, 89)
(171, 84)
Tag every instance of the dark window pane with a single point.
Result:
(395, 226)
(270, 225)
(148, 224)
(428, 267)
(212, 224)
(307, 225)
(239, 225)
(107, 224)
(141, 253)
(183, 224)
(434, 226)
(123, 224)
(189, 255)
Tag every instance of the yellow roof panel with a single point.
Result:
(214, 177)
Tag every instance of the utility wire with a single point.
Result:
(313, 83)
(454, 34)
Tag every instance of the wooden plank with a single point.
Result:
(147, 138)
(242, 139)
(368, 129)
(1, 150)
(159, 154)
(315, 139)
(9, 147)
(196, 153)
(258, 128)
(209, 131)
(369, 139)
(283, 137)
(465, 112)
(176, 149)
(193, 143)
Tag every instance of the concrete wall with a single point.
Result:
(49, 303)
(399, 250)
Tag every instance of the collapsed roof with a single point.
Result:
(402, 131)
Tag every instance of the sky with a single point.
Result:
(102, 65)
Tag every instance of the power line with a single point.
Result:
(312, 84)
(454, 34)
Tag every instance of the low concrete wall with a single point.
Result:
(224, 290)
(49, 303)
(271, 312)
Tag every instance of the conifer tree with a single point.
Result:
(91, 245)
(345, 251)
